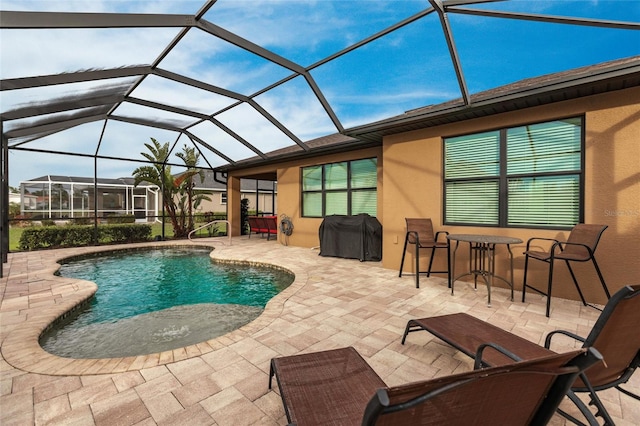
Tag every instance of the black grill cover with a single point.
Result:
(351, 237)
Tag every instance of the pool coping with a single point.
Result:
(21, 348)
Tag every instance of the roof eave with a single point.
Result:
(312, 152)
(572, 87)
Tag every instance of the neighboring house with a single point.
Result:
(262, 194)
(65, 197)
(14, 197)
(528, 159)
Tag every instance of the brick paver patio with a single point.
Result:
(332, 303)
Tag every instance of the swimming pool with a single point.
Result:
(153, 300)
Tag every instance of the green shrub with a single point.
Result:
(124, 218)
(14, 210)
(126, 233)
(35, 238)
(40, 237)
(76, 235)
(207, 217)
(82, 221)
(47, 222)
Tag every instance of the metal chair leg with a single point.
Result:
(524, 279)
(604, 286)
(449, 277)
(549, 285)
(433, 252)
(575, 282)
(583, 409)
(417, 264)
(404, 252)
(595, 400)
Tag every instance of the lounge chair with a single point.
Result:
(420, 233)
(338, 387)
(579, 247)
(615, 335)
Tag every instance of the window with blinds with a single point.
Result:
(345, 188)
(527, 176)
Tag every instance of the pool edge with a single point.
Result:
(21, 348)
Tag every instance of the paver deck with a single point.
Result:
(332, 303)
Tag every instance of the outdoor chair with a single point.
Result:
(579, 247)
(254, 225)
(615, 335)
(270, 225)
(338, 387)
(263, 225)
(420, 234)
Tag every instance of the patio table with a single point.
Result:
(482, 260)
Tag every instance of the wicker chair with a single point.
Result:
(615, 335)
(338, 387)
(579, 247)
(420, 233)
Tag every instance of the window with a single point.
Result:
(527, 176)
(346, 188)
(223, 197)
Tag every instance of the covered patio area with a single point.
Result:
(332, 303)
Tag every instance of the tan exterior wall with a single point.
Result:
(410, 185)
(413, 188)
(305, 232)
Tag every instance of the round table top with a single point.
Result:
(484, 239)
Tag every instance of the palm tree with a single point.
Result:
(179, 198)
(159, 174)
(190, 157)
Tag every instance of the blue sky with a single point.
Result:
(406, 69)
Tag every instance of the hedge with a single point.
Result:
(123, 218)
(42, 237)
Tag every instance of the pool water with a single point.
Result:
(160, 299)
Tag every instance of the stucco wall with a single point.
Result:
(413, 188)
(305, 233)
(410, 185)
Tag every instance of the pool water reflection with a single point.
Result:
(159, 299)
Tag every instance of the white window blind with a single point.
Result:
(523, 176)
(312, 178)
(335, 176)
(544, 201)
(336, 203)
(364, 202)
(312, 204)
(364, 173)
(345, 188)
(546, 147)
(473, 156)
(472, 202)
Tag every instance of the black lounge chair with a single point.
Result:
(615, 335)
(337, 387)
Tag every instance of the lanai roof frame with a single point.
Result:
(101, 104)
(106, 104)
